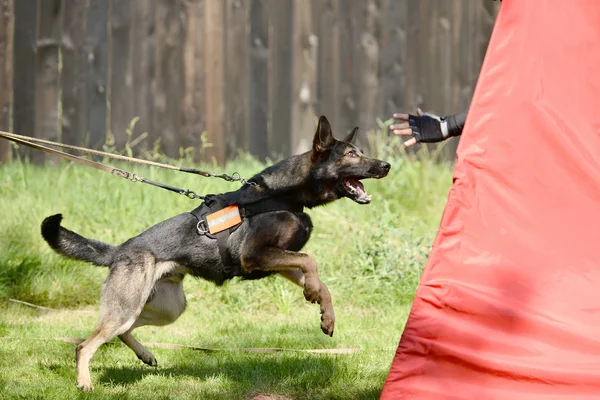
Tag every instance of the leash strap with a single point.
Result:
(27, 141)
(210, 205)
(115, 171)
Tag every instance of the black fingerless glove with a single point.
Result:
(431, 129)
(426, 129)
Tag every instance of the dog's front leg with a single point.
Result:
(287, 263)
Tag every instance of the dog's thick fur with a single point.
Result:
(144, 285)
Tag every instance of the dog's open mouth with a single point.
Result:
(356, 191)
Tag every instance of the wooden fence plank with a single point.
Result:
(169, 75)
(394, 57)
(121, 74)
(237, 83)
(429, 61)
(328, 61)
(414, 84)
(369, 88)
(257, 98)
(24, 67)
(280, 48)
(6, 84)
(74, 72)
(304, 78)
(97, 79)
(47, 74)
(317, 10)
(349, 67)
(214, 79)
(464, 32)
(143, 54)
(193, 118)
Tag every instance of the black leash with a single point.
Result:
(32, 142)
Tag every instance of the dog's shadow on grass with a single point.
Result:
(288, 372)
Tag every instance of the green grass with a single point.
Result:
(370, 257)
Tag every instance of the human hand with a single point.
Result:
(424, 128)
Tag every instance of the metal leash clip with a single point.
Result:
(238, 178)
(190, 194)
(201, 227)
(133, 177)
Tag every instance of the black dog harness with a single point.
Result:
(213, 203)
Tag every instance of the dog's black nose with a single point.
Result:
(386, 166)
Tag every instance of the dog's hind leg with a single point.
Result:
(288, 264)
(140, 351)
(124, 294)
(165, 305)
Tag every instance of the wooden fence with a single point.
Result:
(251, 74)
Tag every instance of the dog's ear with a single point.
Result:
(323, 140)
(352, 136)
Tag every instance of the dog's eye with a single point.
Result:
(352, 153)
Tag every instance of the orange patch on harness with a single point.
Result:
(223, 219)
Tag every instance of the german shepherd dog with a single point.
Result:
(144, 284)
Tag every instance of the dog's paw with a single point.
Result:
(312, 292)
(85, 386)
(151, 360)
(327, 323)
(312, 296)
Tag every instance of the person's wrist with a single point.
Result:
(444, 128)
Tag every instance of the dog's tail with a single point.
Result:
(72, 245)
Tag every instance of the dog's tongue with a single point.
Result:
(356, 185)
(358, 190)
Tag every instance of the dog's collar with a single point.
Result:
(214, 203)
(268, 205)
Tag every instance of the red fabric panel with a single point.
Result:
(508, 306)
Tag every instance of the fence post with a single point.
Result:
(257, 100)
(193, 117)
(304, 89)
(215, 79)
(6, 53)
(368, 59)
(281, 50)
(413, 93)
(142, 53)
(348, 92)
(395, 31)
(74, 72)
(121, 74)
(24, 66)
(97, 79)
(169, 75)
(47, 74)
(328, 60)
(237, 82)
